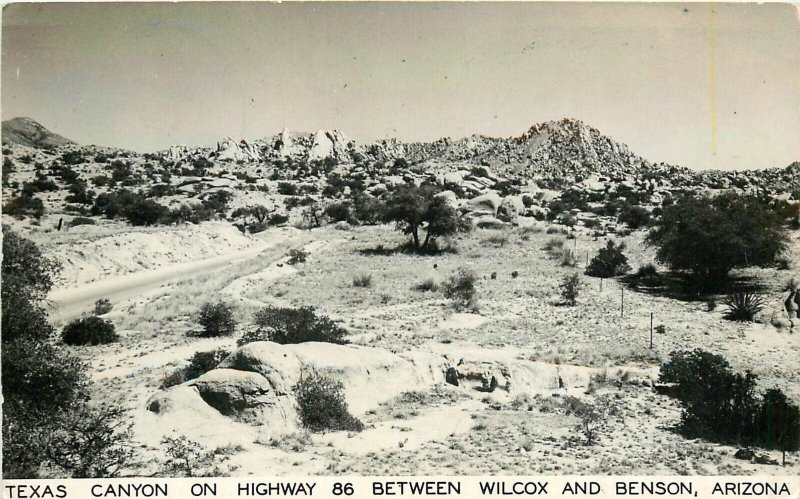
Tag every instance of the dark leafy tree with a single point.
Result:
(416, 209)
(709, 237)
(778, 423)
(90, 442)
(609, 261)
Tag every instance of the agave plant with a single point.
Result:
(743, 306)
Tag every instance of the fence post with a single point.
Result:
(651, 330)
(622, 303)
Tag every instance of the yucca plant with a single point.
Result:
(743, 306)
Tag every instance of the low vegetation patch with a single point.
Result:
(293, 325)
(461, 289)
(89, 331)
(217, 320)
(322, 407)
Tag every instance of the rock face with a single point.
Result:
(485, 204)
(255, 384)
(229, 150)
(511, 208)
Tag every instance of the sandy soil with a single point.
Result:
(444, 429)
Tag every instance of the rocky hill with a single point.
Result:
(566, 147)
(27, 132)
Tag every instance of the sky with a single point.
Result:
(698, 85)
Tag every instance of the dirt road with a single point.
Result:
(67, 303)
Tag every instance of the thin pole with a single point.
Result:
(651, 330)
(622, 303)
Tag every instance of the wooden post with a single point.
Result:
(651, 330)
(622, 303)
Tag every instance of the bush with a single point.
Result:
(102, 306)
(81, 221)
(461, 289)
(199, 364)
(287, 189)
(570, 288)
(24, 206)
(293, 325)
(718, 404)
(609, 261)
(322, 407)
(90, 442)
(362, 281)
(709, 237)
(429, 284)
(743, 306)
(647, 275)
(186, 458)
(635, 217)
(277, 219)
(89, 331)
(217, 319)
(297, 255)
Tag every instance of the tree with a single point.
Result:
(217, 319)
(709, 237)
(90, 442)
(39, 380)
(609, 261)
(779, 422)
(415, 208)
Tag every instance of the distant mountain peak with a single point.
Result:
(28, 132)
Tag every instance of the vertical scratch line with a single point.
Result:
(712, 42)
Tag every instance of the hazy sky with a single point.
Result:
(690, 84)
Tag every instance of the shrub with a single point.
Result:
(635, 217)
(24, 206)
(709, 237)
(293, 325)
(339, 212)
(553, 243)
(591, 418)
(287, 188)
(609, 261)
(217, 319)
(461, 289)
(567, 258)
(186, 458)
(90, 442)
(322, 407)
(297, 255)
(199, 364)
(277, 219)
(646, 275)
(718, 403)
(362, 281)
(743, 306)
(102, 306)
(570, 288)
(89, 331)
(428, 284)
(81, 221)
